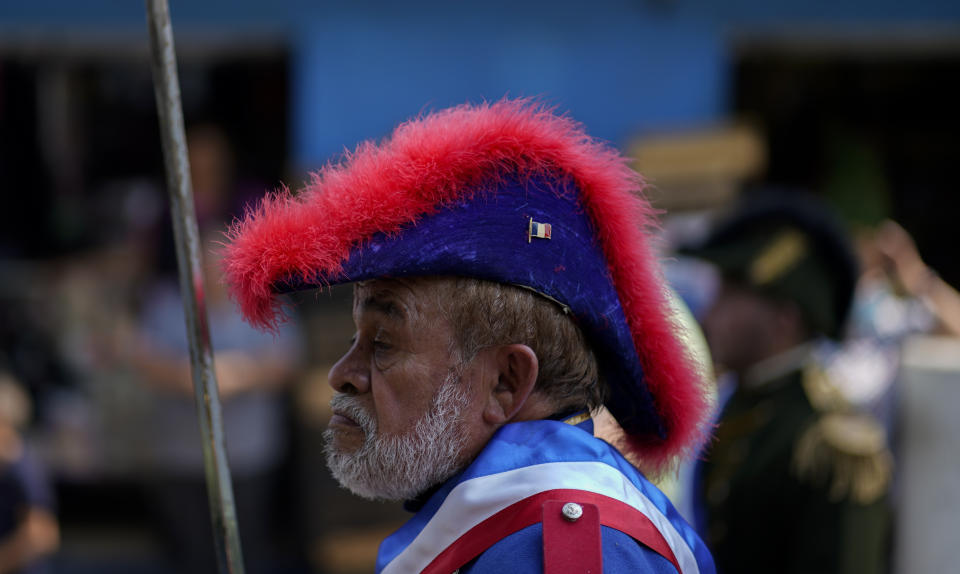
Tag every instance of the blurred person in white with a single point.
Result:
(29, 532)
(897, 295)
(252, 369)
(894, 270)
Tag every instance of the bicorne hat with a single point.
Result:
(506, 192)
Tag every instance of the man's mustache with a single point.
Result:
(353, 408)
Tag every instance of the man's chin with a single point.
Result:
(384, 480)
(343, 442)
(363, 484)
(400, 467)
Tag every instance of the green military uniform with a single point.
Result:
(794, 481)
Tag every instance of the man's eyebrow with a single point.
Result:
(384, 306)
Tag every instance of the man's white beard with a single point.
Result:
(403, 466)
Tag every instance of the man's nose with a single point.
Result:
(351, 374)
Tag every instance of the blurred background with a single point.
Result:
(853, 100)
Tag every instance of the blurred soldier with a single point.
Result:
(505, 289)
(795, 480)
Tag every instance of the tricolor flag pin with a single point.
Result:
(538, 230)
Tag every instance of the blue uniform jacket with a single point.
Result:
(521, 462)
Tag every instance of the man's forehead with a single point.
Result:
(399, 298)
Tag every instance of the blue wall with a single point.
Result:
(360, 67)
(355, 78)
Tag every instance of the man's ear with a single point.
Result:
(517, 369)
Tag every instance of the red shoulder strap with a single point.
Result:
(612, 513)
(571, 538)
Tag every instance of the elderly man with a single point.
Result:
(504, 291)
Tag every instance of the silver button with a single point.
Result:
(572, 511)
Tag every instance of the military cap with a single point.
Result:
(787, 246)
(506, 192)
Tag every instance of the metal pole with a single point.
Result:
(222, 510)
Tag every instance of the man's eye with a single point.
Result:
(383, 355)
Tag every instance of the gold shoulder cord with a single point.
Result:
(823, 395)
(845, 448)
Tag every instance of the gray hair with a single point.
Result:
(484, 314)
